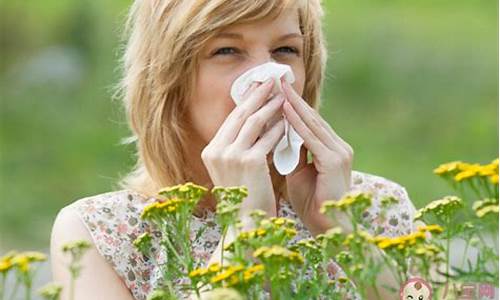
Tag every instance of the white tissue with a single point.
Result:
(286, 154)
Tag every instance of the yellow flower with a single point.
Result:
(488, 170)
(276, 251)
(76, 246)
(445, 206)
(227, 273)
(22, 262)
(198, 272)
(366, 236)
(400, 242)
(389, 201)
(481, 203)
(278, 221)
(5, 266)
(431, 228)
(448, 167)
(260, 232)
(308, 243)
(494, 178)
(187, 191)
(214, 267)
(211, 269)
(428, 250)
(258, 214)
(252, 271)
(233, 194)
(158, 208)
(290, 232)
(343, 279)
(386, 243)
(51, 291)
(149, 210)
(468, 173)
(6, 261)
(487, 210)
(352, 199)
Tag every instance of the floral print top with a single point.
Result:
(113, 221)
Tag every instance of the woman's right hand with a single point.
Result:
(237, 155)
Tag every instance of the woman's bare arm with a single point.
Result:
(97, 279)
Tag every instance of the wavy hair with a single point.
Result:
(159, 63)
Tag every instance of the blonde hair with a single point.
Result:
(159, 66)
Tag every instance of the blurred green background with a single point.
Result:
(410, 85)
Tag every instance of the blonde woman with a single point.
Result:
(180, 61)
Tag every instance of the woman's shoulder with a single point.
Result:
(110, 200)
(377, 185)
(116, 212)
(398, 218)
(112, 222)
(112, 218)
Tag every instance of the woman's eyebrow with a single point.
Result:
(231, 35)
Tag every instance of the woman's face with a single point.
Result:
(226, 57)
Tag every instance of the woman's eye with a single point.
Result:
(223, 51)
(291, 50)
(229, 50)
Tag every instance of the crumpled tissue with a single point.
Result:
(286, 154)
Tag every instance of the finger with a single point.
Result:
(310, 139)
(250, 89)
(312, 142)
(270, 138)
(232, 125)
(312, 118)
(253, 126)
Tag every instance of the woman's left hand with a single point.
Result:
(329, 176)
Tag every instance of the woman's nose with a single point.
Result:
(261, 58)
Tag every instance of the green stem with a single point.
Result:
(28, 289)
(222, 250)
(484, 182)
(186, 247)
(387, 263)
(480, 236)
(72, 285)
(474, 188)
(172, 248)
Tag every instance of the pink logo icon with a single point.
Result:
(415, 289)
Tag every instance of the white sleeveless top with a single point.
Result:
(113, 221)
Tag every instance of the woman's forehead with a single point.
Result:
(286, 23)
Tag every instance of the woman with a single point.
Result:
(180, 61)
